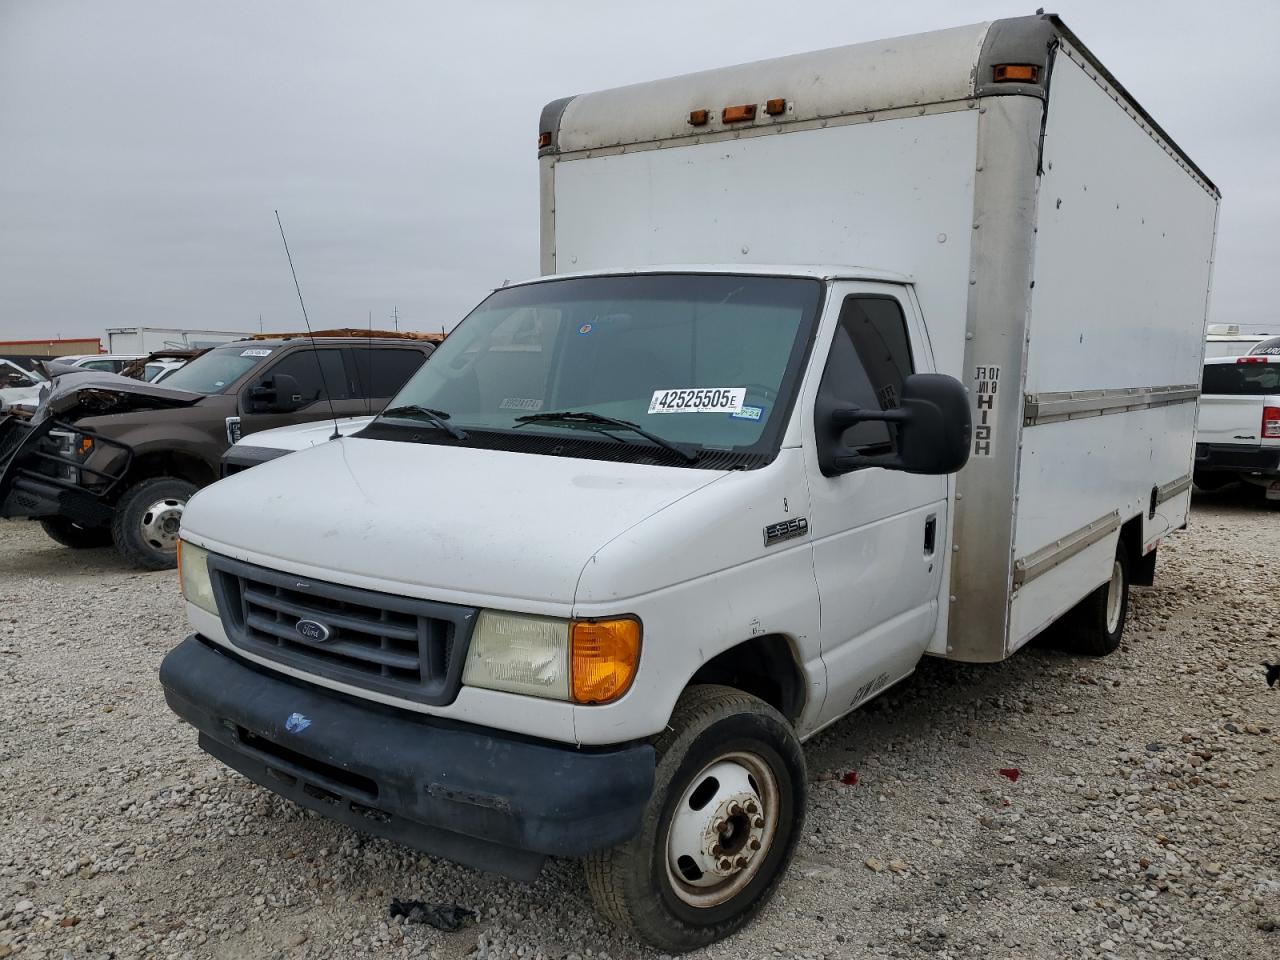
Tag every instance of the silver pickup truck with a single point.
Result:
(1238, 433)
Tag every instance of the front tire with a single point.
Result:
(721, 827)
(145, 526)
(63, 531)
(1097, 623)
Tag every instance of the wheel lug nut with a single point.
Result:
(735, 808)
(751, 807)
(721, 826)
(725, 864)
(716, 850)
(740, 862)
(754, 844)
(758, 822)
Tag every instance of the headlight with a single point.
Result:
(193, 569)
(586, 661)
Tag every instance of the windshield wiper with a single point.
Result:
(437, 418)
(597, 420)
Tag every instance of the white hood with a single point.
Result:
(302, 435)
(433, 521)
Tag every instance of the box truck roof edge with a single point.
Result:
(935, 67)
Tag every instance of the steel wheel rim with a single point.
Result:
(1115, 593)
(692, 834)
(160, 523)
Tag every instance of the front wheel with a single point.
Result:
(145, 527)
(721, 826)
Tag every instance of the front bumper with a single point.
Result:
(482, 798)
(1237, 458)
(37, 480)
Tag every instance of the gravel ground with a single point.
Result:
(1144, 820)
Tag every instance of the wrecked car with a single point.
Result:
(106, 459)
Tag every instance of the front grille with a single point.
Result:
(401, 646)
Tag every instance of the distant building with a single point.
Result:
(48, 349)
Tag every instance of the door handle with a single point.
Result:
(930, 534)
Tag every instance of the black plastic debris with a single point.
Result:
(1273, 673)
(442, 916)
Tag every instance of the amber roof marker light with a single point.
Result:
(776, 106)
(699, 118)
(739, 114)
(544, 139)
(1015, 73)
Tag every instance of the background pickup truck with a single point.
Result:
(108, 459)
(1238, 433)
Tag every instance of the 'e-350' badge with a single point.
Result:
(785, 530)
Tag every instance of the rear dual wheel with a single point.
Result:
(1097, 623)
(722, 824)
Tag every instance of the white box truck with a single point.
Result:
(641, 526)
(145, 340)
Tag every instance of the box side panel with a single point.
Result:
(892, 194)
(1124, 255)
(1077, 472)
(995, 338)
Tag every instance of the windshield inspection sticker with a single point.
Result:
(748, 413)
(520, 403)
(698, 400)
(257, 352)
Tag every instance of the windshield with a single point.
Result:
(705, 362)
(12, 375)
(216, 370)
(1241, 379)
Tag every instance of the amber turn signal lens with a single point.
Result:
(746, 111)
(544, 139)
(775, 106)
(1015, 73)
(603, 657)
(699, 118)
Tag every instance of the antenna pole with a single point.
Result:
(305, 319)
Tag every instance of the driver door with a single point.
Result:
(314, 371)
(876, 532)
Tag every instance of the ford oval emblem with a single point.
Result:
(313, 630)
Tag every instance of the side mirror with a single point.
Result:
(278, 393)
(934, 427)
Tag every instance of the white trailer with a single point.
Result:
(146, 340)
(702, 489)
(1060, 244)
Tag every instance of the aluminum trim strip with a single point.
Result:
(1063, 549)
(1172, 489)
(1072, 404)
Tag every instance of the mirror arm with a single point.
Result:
(847, 463)
(851, 416)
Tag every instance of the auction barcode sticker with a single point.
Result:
(698, 400)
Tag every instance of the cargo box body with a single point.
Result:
(1059, 243)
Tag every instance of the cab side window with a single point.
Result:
(869, 359)
(305, 367)
(383, 370)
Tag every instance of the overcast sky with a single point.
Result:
(143, 145)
